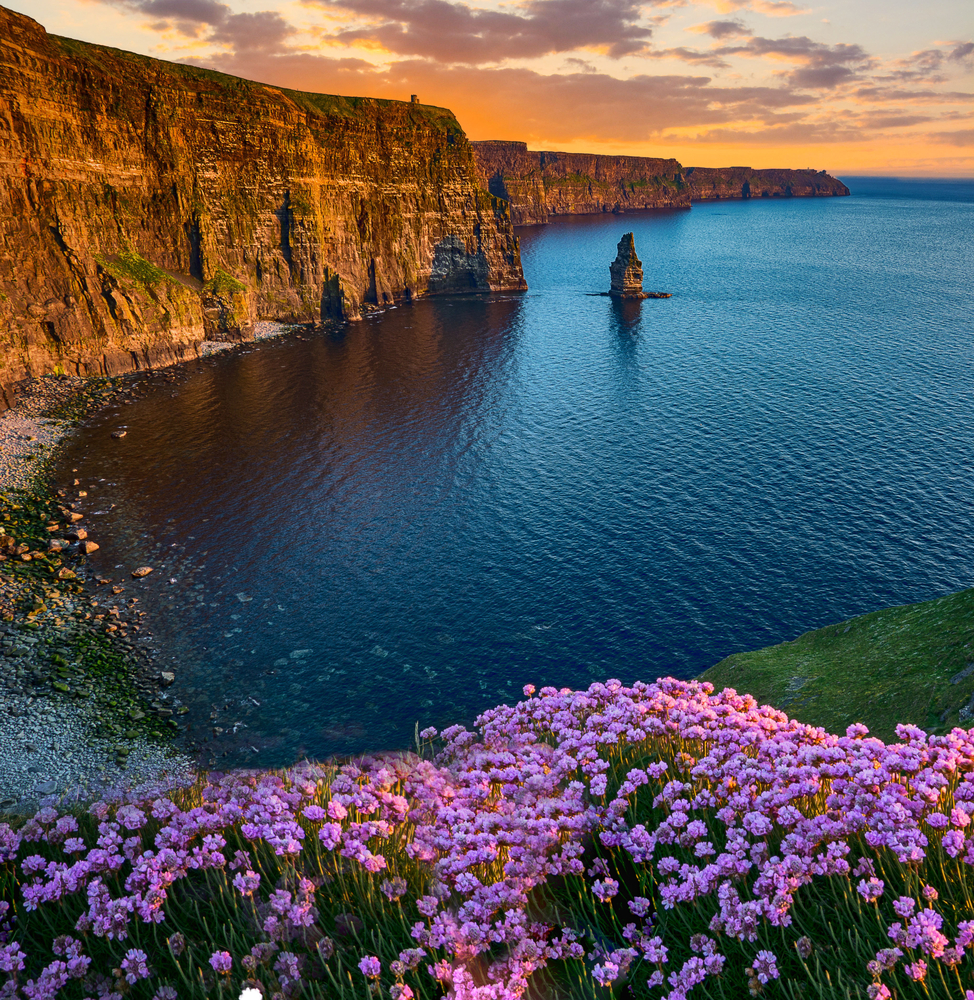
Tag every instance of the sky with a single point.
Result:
(853, 87)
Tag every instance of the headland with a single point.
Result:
(541, 184)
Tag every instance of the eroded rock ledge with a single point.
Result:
(147, 206)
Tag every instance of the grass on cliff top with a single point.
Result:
(105, 58)
(913, 663)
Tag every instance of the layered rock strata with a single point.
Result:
(540, 185)
(147, 206)
(626, 271)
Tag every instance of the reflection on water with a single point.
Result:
(627, 316)
(409, 520)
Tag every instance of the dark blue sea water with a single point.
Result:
(410, 519)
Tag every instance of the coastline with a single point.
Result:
(84, 707)
(63, 675)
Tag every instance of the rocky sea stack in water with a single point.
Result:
(626, 271)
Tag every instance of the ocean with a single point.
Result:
(407, 520)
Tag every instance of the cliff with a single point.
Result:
(539, 185)
(707, 183)
(146, 206)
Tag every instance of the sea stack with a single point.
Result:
(627, 271)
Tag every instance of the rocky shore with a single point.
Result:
(83, 706)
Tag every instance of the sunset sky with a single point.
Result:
(853, 87)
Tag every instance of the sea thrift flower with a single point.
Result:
(11, 958)
(765, 967)
(287, 970)
(871, 890)
(330, 835)
(394, 888)
(135, 965)
(222, 961)
(370, 966)
(246, 883)
(917, 971)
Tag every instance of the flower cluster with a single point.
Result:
(720, 806)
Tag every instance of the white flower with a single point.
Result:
(251, 994)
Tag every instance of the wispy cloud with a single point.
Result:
(721, 29)
(818, 66)
(771, 8)
(263, 31)
(458, 33)
(960, 137)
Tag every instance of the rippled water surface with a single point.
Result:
(409, 520)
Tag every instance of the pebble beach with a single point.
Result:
(53, 739)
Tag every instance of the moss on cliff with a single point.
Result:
(224, 284)
(131, 266)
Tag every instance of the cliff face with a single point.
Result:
(146, 206)
(541, 184)
(708, 183)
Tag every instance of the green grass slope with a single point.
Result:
(913, 663)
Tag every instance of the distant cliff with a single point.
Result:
(146, 206)
(707, 183)
(539, 184)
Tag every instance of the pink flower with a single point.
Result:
(871, 890)
(135, 965)
(330, 835)
(222, 961)
(917, 971)
(370, 966)
(11, 957)
(765, 967)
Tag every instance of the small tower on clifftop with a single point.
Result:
(627, 271)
